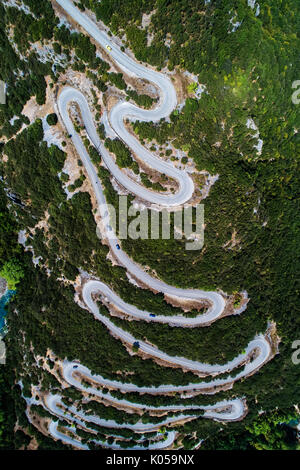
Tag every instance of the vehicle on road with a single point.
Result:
(108, 47)
(152, 315)
(118, 247)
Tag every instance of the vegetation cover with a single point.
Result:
(248, 74)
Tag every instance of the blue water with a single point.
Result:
(3, 302)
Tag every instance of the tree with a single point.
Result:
(12, 271)
(52, 119)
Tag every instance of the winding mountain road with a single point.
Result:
(226, 410)
(251, 367)
(113, 299)
(259, 347)
(258, 343)
(53, 403)
(161, 444)
(167, 102)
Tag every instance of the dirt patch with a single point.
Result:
(110, 101)
(39, 422)
(273, 337)
(34, 111)
(233, 242)
(186, 304)
(231, 309)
